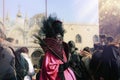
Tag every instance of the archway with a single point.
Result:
(36, 55)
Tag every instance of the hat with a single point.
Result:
(51, 27)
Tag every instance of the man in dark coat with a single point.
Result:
(96, 61)
(110, 61)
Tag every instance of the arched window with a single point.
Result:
(37, 53)
(78, 39)
(95, 39)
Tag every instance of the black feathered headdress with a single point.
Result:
(52, 26)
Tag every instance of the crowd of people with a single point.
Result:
(61, 60)
(15, 64)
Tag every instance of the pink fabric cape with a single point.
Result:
(50, 68)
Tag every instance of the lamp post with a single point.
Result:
(46, 8)
(3, 15)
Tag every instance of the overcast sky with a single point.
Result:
(75, 11)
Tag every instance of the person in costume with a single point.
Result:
(55, 67)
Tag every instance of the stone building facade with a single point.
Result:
(23, 28)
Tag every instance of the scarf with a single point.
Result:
(54, 45)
